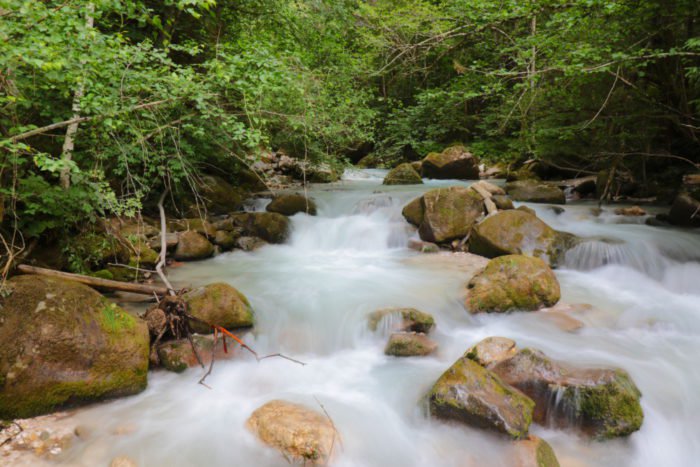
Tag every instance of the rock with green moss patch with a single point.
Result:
(319, 173)
(455, 162)
(413, 211)
(602, 403)
(516, 232)
(473, 395)
(534, 191)
(192, 246)
(288, 205)
(270, 226)
(250, 243)
(94, 250)
(401, 319)
(513, 282)
(143, 255)
(176, 355)
(219, 304)
(63, 344)
(225, 239)
(449, 214)
(403, 174)
(220, 196)
(533, 452)
(201, 226)
(409, 344)
(502, 202)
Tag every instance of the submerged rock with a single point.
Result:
(289, 205)
(513, 282)
(520, 233)
(409, 344)
(192, 246)
(454, 162)
(449, 214)
(62, 343)
(176, 355)
(471, 394)
(603, 403)
(535, 191)
(302, 435)
(534, 452)
(402, 319)
(403, 174)
(218, 304)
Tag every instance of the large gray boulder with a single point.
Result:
(535, 191)
(454, 162)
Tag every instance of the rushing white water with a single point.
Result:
(312, 296)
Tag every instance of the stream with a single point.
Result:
(312, 296)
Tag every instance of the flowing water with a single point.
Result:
(312, 296)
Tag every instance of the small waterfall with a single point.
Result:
(595, 253)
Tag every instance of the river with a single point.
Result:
(311, 298)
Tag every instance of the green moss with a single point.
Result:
(545, 455)
(403, 174)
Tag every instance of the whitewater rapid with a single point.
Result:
(311, 298)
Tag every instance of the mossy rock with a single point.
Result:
(685, 211)
(370, 161)
(413, 211)
(534, 452)
(270, 226)
(250, 243)
(534, 191)
(491, 350)
(403, 174)
(96, 250)
(602, 403)
(288, 205)
(502, 202)
(471, 394)
(177, 356)
(455, 162)
(409, 344)
(220, 196)
(513, 282)
(143, 255)
(449, 214)
(63, 344)
(225, 239)
(321, 173)
(192, 246)
(219, 304)
(402, 319)
(516, 232)
(201, 226)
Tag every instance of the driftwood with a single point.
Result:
(96, 281)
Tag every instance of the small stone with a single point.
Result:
(409, 344)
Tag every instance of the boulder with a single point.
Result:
(489, 187)
(423, 247)
(413, 211)
(176, 355)
(171, 240)
(513, 282)
(409, 344)
(533, 452)
(220, 196)
(418, 167)
(62, 343)
(289, 205)
(134, 227)
(401, 319)
(321, 173)
(192, 246)
(143, 255)
(534, 191)
(685, 211)
(225, 239)
(602, 403)
(519, 232)
(471, 394)
(250, 243)
(302, 435)
(449, 214)
(97, 249)
(219, 304)
(502, 202)
(454, 162)
(270, 226)
(491, 350)
(403, 174)
(201, 226)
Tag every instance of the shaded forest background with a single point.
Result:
(105, 103)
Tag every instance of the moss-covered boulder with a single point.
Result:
(401, 319)
(602, 403)
(320, 173)
(513, 282)
(533, 452)
(220, 196)
(409, 344)
(491, 350)
(250, 243)
(225, 239)
(413, 211)
(502, 202)
(454, 162)
(288, 205)
(143, 255)
(192, 246)
(471, 394)
(403, 174)
(685, 211)
(176, 355)
(516, 232)
(270, 226)
(448, 214)
(219, 304)
(201, 226)
(534, 191)
(96, 249)
(63, 344)
(303, 436)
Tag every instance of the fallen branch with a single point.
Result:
(96, 281)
